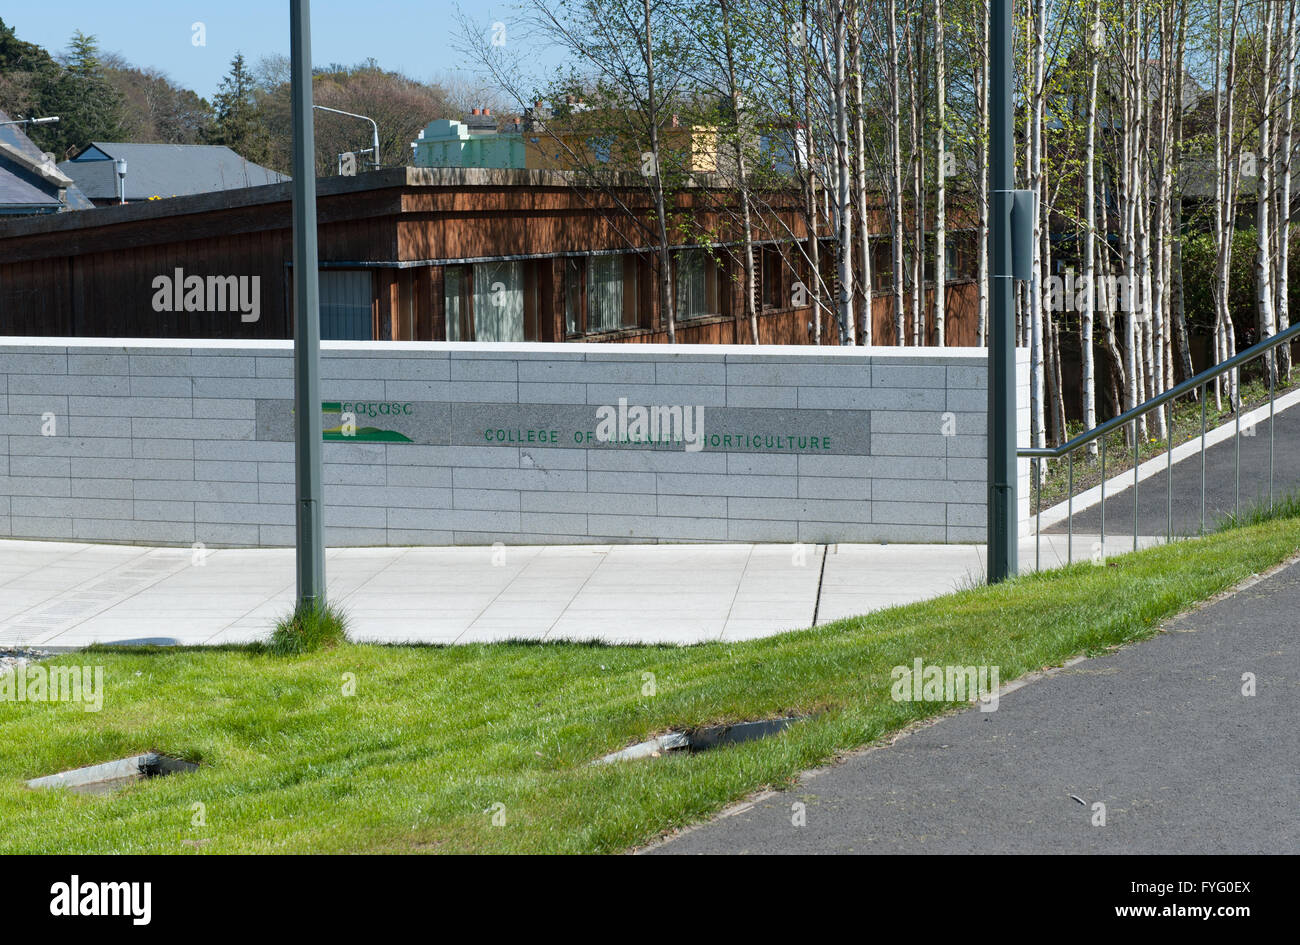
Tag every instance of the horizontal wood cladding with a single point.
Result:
(792, 326)
(774, 328)
(462, 225)
(112, 293)
(961, 316)
(226, 213)
(91, 273)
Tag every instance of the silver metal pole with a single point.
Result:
(1103, 497)
(1135, 484)
(1069, 539)
(1204, 392)
(1272, 377)
(306, 322)
(1236, 476)
(1169, 473)
(1038, 516)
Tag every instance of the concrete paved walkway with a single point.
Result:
(1161, 733)
(65, 595)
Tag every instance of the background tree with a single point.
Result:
(239, 123)
(74, 87)
(155, 109)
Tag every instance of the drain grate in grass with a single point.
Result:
(704, 739)
(114, 775)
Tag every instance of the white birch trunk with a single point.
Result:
(1264, 162)
(1284, 217)
(844, 206)
(867, 334)
(940, 179)
(1088, 380)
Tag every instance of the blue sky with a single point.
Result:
(411, 36)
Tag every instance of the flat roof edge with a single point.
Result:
(600, 349)
(384, 179)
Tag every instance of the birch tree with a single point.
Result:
(1088, 385)
(940, 181)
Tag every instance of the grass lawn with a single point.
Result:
(433, 738)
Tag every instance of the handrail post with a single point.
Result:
(1069, 531)
(1137, 441)
(1272, 376)
(1236, 474)
(1205, 392)
(1169, 472)
(1103, 498)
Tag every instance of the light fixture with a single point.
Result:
(32, 121)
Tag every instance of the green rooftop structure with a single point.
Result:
(472, 143)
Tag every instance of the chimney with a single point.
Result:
(473, 111)
(675, 121)
(487, 111)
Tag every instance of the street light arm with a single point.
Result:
(374, 127)
(32, 121)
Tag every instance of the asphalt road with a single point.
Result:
(1220, 488)
(1160, 732)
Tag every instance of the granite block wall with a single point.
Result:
(439, 444)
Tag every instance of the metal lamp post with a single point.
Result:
(1002, 517)
(306, 322)
(374, 130)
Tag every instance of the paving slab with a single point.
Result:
(70, 594)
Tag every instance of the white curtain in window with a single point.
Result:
(572, 295)
(499, 301)
(692, 286)
(451, 298)
(604, 293)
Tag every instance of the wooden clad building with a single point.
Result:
(428, 254)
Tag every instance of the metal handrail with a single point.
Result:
(1128, 416)
(1132, 416)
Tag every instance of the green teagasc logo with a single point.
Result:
(365, 409)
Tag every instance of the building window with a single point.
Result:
(573, 287)
(457, 303)
(697, 284)
(771, 264)
(601, 294)
(494, 301)
(800, 289)
(499, 301)
(882, 265)
(346, 299)
(968, 247)
(611, 293)
(601, 147)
